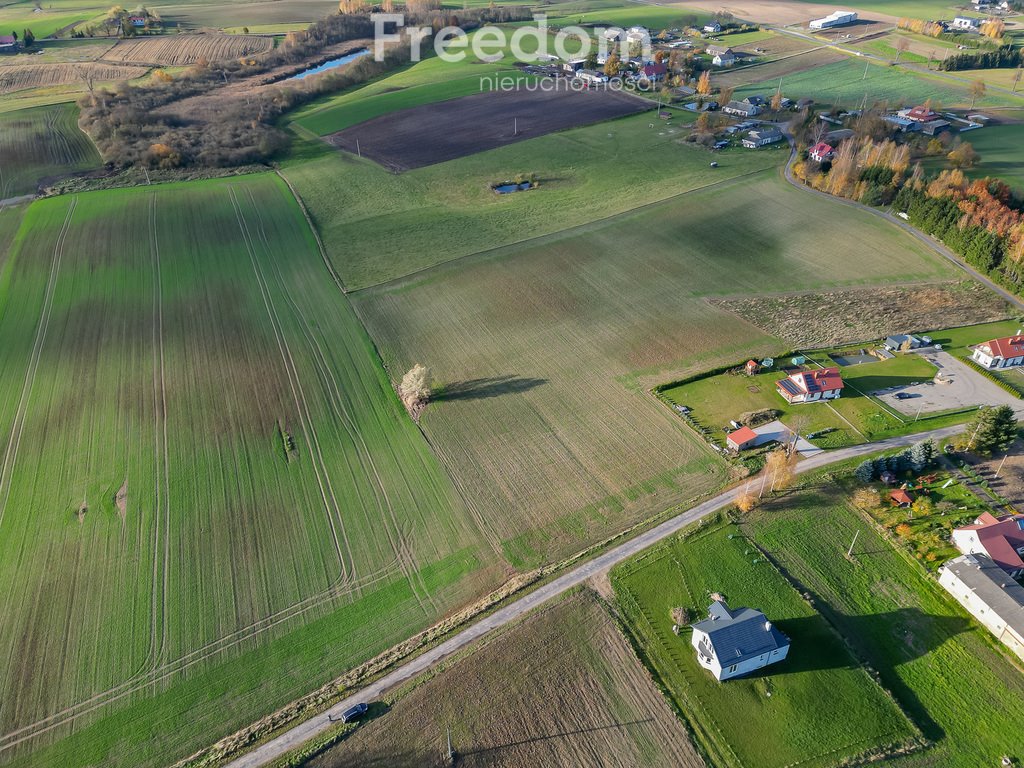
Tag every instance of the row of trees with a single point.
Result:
(916, 458)
(1003, 57)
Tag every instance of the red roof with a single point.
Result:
(900, 496)
(7, 39)
(1001, 537)
(654, 69)
(742, 435)
(1011, 346)
(823, 380)
(921, 114)
(821, 149)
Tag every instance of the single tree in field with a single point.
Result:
(902, 45)
(704, 83)
(977, 91)
(612, 64)
(415, 388)
(776, 103)
(866, 498)
(963, 156)
(991, 429)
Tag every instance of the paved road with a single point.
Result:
(310, 729)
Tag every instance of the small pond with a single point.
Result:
(505, 189)
(327, 66)
(854, 359)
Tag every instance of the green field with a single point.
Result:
(233, 487)
(443, 212)
(41, 142)
(779, 716)
(965, 696)
(559, 328)
(847, 82)
(562, 687)
(853, 419)
(1001, 148)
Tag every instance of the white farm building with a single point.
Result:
(834, 19)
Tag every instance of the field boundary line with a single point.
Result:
(560, 233)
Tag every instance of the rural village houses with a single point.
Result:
(732, 643)
(1001, 538)
(1000, 353)
(989, 595)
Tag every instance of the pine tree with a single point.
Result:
(865, 472)
(992, 429)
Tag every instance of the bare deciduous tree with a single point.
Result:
(415, 388)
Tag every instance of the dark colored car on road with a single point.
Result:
(353, 713)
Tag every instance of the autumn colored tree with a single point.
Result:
(964, 156)
(612, 65)
(977, 89)
(779, 465)
(902, 45)
(746, 501)
(704, 83)
(415, 388)
(725, 94)
(776, 102)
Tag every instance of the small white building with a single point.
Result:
(712, 28)
(834, 19)
(966, 23)
(723, 59)
(762, 137)
(989, 595)
(592, 77)
(734, 643)
(1000, 353)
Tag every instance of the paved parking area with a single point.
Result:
(956, 386)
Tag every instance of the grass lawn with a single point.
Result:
(41, 142)
(213, 484)
(854, 418)
(846, 83)
(1001, 148)
(562, 687)
(777, 716)
(558, 338)
(902, 623)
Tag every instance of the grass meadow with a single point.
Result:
(781, 715)
(211, 500)
(1001, 148)
(41, 142)
(435, 214)
(562, 687)
(943, 669)
(546, 348)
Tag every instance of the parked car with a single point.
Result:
(903, 395)
(354, 713)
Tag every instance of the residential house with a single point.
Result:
(8, 44)
(592, 77)
(995, 600)
(901, 498)
(966, 23)
(137, 21)
(919, 114)
(574, 65)
(733, 643)
(834, 19)
(638, 35)
(723, 59)
(744, 437)
(717, 50)
(712, 28)
(811, 386)
(762, 137)
(1000, 353)
(901, 342)
(821, 152)
(654, 72)
(1000, 538)
(741, 108)
(757, 100)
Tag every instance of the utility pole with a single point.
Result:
(849, 552)
(451, 752)
(1001, 465)
(357, 148)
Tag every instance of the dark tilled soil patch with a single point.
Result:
(436, 133)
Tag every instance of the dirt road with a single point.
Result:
(310, 729)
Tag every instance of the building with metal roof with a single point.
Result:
(731, 643)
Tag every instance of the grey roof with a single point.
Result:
(739, 635)
(1003, 595)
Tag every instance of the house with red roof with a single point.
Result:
(8, 44)
(821, 152)
(901, 498)
(654, 72)
(742, 438)
(810, 386)
(921, 115)
(1000, 353)
(1001, 538)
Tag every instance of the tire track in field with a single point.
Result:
(169, 669)
(21, 413)
(365, 457)
(301, 406)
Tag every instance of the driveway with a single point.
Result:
(956, 386)
(776, 430)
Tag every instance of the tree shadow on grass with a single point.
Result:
(463, 753)
(483, 388)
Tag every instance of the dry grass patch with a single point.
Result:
(837, 317)
(773, 70)
(179, 50)
(18, 78)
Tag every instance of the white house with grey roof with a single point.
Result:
(989, 595)
(733, 643)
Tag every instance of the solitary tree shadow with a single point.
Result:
(479, 389)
